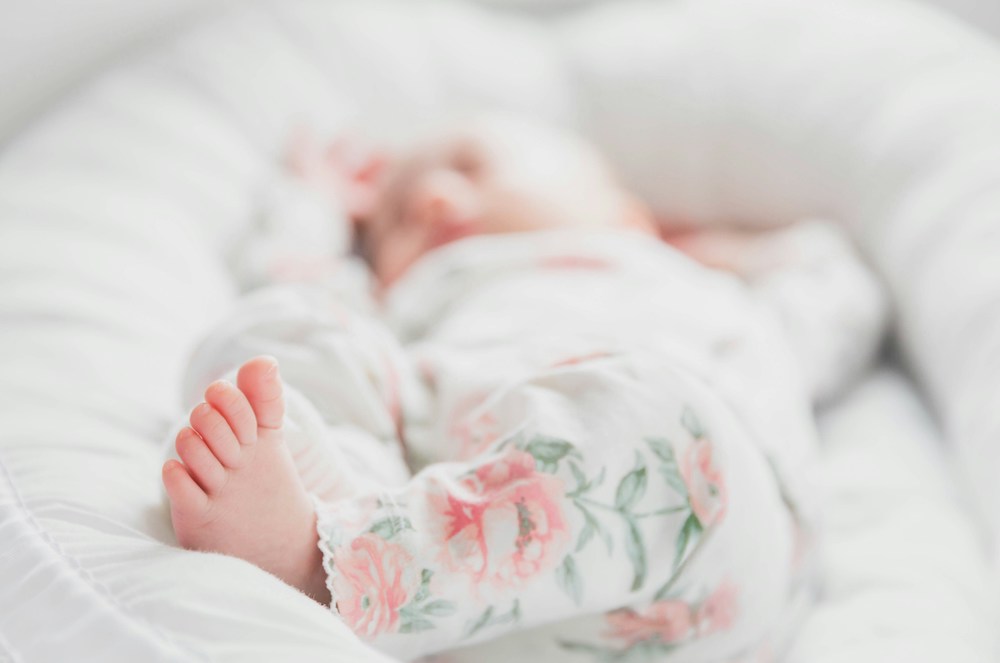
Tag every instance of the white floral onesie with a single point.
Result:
(608, 448)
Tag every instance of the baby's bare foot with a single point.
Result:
(237, 491)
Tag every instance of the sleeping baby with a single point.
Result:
(547, 428)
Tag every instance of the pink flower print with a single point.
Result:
(719, 611)
(374, 579)
(705, 483)
(666, 621)
(505, 524)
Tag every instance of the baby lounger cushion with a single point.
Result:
(122, 216)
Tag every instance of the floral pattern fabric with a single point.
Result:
(543, 526)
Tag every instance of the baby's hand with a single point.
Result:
(746, 253)
(341, 171)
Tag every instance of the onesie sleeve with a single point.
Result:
(295, 235)
(831, 304)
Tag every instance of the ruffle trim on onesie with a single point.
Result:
(329, 531)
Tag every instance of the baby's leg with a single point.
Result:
(254, 452)
(617, 483)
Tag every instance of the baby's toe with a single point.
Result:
(234, 407)
(185, 495)
(258, 380)
(201, 463)
(217, 432)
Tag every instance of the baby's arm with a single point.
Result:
(832, 305)
(304, 229)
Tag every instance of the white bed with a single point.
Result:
(121, 215)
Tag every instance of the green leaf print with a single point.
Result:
(664, 591)
(630, 489)
(415, 615)
(425, 581)
(488, 619)
(586, 534)
(482, 622)
(636, 553)
(391, 526)
(548, 452)
(662, 449)
(416, 625)
(591, 526)
(583, 486)
(668, 466)
(691, 422)
(609, 541)
(640, 652)
(690, 530)
(569, 580)
(514, 616)
(439, 608)
(581, 479)
(673, 478)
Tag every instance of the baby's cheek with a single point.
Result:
(507, 212)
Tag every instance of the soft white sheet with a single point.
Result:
(118, 215)
(903, 575)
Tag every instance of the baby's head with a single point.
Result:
(496, 174)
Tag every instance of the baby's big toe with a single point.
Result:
(258, 379)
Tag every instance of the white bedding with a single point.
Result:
(903, 575)
(118, 215)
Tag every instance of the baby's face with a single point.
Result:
(496, 175)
